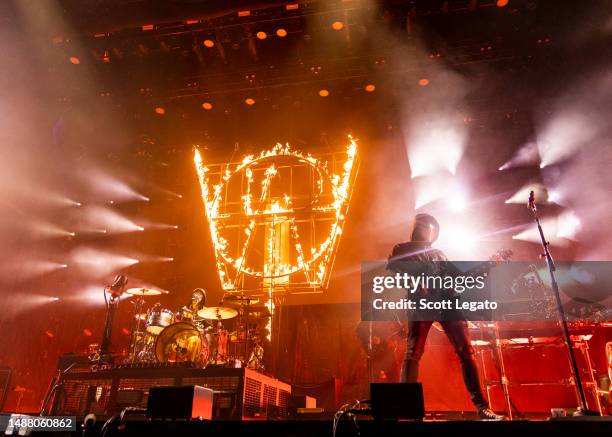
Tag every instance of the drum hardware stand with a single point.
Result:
(503, 377)
(138, 306)
(112, 304)
(56, 386)
(582, 408)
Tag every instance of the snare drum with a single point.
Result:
(158, 319)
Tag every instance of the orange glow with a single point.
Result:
(206, 105)
(261, 35)
(209, 43)
(281, 33)
(502, 3)
(337, 25)
(74, 60)
(370, 87)
(324, 93)
(423, 82)
(87, 332)
(159, 110)
(249, 101)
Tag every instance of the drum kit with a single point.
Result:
(199, 335)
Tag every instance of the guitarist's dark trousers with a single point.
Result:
(457, 333)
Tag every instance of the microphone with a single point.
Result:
(119, 283)
(531, 201)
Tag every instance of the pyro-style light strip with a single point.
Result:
(323, 255)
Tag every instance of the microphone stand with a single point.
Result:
(112, 305)
(568, 340)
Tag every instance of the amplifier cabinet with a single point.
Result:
(238, 394)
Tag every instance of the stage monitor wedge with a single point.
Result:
(397, 401)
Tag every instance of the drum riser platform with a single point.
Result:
(238, 393)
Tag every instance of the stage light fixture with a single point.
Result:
(159, 110)
(502, 3)
(281, 33)
(337, 25)
(44, 229)
(74, 60)
(261, 35)
(423, 82)
(208, 106)
(292, 6)
(323, 93)
(370, 87)
(209, 43)
(249, 101)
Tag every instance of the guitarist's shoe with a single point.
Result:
(488, 414)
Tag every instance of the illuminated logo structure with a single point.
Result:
(276, 218)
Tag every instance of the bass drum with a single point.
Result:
(181, 342)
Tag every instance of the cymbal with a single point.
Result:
(144, 292)
(240, 299)
(215, 313)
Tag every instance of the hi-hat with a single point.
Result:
(145, 292)
(217, 313)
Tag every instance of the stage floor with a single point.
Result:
(597, 426)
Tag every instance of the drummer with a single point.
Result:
(197, 302)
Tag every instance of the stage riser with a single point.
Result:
(238, 393)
